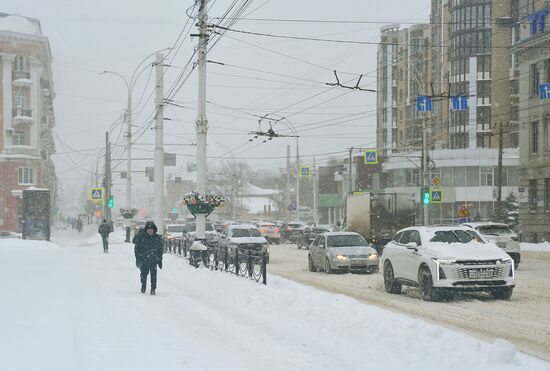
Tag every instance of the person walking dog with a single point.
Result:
(149, 247)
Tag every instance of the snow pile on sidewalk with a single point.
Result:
(69, 306)
(543, 246)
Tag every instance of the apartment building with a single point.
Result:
(532, 54)
(26, 115)
(464, 51)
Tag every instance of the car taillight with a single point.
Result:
(276, 230)
(262, 230)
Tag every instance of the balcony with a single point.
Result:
(22, 116)
(21, 78)
(45, 87)
(22, 151)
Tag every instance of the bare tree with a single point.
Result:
(230, 178)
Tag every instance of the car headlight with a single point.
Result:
(506, 261)
(341, 257)
(373, 256)
(444, 261)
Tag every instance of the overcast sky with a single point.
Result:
(88, 37)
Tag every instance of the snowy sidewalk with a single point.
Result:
(67, 306)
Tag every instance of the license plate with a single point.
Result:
(358, 262)
(480, 273)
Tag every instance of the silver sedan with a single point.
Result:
(342, 252)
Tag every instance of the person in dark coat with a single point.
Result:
(104, 230)
(149, 247)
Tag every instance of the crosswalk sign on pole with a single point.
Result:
(97, 194)
(371, 157)
(305, 170)
(436, 196)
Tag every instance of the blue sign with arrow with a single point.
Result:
(460, 103)
(423, 103)
(544, 91)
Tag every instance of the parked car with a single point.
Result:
(293, 231)
(446, 259)
(9, 234)
(270, 232)
(212, 237)
(309, 234)
(174, 232)
(342, 251)
(241, 238)
(219, 225)
(501, 235)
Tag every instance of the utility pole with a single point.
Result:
(424, 168)
(315, 191)
(159, 146)
(287, 184)
(107, 177)
(202, 122)
(499, 172)
(297, 180)
(350, 171)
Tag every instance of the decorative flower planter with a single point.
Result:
(196, 204)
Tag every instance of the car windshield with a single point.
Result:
(295, 225)
(346, 241)
(174, 228)
(242, 232)
(456, 236)
(495, 230)
(193, 226)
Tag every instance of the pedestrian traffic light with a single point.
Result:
(174, 210)
(111, 202)
(425, 196)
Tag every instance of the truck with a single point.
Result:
(378, 216)
(36, 214)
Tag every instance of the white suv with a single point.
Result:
(453, 258)
(501, 235)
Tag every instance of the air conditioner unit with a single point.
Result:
(10, 131)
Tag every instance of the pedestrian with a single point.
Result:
(104, 230)
(149, 247)
(79, 225)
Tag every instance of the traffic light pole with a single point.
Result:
(424, 168)
(107, 178)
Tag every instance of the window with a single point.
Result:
(533, 194)
(25, 175)
(397, 237)
(534, 76)
(405, 237)
(19, 63)
(19, 100)
(19, 138)
(547, 194)
(535, 137)
(486, 176)
(415, 237)
(472, 176)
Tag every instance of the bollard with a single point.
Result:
(249, 265)
(225, 258)
(236, 261)
(127, 234)
(264, 268)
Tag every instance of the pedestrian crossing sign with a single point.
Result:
(305, 170)
(436, 196)
(97, 194)
(371, 157)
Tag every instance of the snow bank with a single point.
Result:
(543, 246)
(76, 308)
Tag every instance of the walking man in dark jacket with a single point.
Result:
(149, 247)
(104, 230)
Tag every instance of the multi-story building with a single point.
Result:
(532, 53)
(26, 115)
(463, 51)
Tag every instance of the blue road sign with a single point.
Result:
(544, 91)
(423, 103)
(436, 196)
(371, 157)
(305, 171)
(460, 103)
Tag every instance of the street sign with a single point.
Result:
(169, 159)
(436, 181)
(305, 170)
(436, 196)
(150, 172)
(371, 156)
(423, 103)
(97, 194)
(460, 103)
(544, 91)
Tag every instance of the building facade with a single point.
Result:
(26, 115)
(463, 52)
(532, 52)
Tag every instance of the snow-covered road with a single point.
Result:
(67, 306)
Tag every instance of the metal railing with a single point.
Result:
(22, 150)
(20, 74)
(20, 111)
(240, 261)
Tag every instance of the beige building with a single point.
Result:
(532, 53)
(26, 114)
(463, 52)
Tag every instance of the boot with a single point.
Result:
(153, 292)
(143, 289)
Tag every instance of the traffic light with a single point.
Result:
(174, 210)
(111, 202)
(425, 196)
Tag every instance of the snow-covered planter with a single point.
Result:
(197, 204)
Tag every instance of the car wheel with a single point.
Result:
(391, 285)
(425, 282)
(328, 269)
(310, 264)
(503, 293)
(278, 242)
(299, 245)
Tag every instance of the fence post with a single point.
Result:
(264, 268)
(249, 265)
(237, 265)
(225, 258)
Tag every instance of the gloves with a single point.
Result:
(160, 264)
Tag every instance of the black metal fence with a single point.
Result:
(239, 261)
